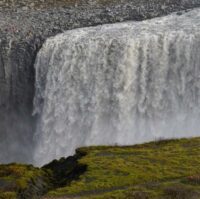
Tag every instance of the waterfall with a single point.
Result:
(120, 83)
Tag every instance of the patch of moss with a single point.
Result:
(22, 181)
(8, 195)
(165, 169)
(142, 171)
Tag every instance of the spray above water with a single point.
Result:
(123, 83)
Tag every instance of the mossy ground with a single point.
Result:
(18, 180)
(168, 169)
(164, 169)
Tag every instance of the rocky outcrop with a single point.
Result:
(23, 28)
(65, 170)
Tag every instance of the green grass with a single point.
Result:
(17, 180)
(149, 170)
(168, 169)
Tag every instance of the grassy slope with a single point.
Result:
(164, 169)
(21, 181)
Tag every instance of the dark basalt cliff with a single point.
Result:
(24, 27)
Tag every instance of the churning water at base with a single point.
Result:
(123, 83)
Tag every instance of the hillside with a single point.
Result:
(163, 169)
(167, 169)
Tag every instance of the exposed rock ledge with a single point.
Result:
(23, 28)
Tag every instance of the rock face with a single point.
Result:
(16, 93)
(23, 28)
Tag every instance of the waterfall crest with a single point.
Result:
(121, 83)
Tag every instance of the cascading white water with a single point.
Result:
(123, 83)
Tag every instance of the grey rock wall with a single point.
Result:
(16, 95)
(23, 29)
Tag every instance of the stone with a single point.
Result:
(24, 8)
